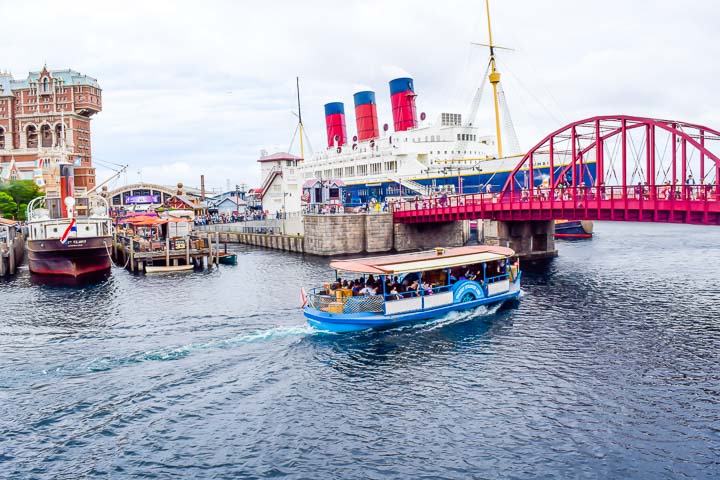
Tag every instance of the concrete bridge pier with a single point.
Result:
(531, 239)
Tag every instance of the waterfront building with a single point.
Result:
(281, 185)
(37, 113)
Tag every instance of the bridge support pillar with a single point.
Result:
(532, 240)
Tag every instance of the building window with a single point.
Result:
(2, 138)
(45, 86)
(46, 136)
(32, 137)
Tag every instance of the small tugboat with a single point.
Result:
(397, 289)
(68, 235)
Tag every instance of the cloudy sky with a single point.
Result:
(202, 87)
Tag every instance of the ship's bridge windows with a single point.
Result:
(362, 169)
(327, 173)
(375, 168)
(391, 166)
(349, 171)
(338, 172)
(318, 174)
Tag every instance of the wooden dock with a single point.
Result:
(12, 251)
(136, 254)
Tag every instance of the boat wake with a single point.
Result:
(165, 354)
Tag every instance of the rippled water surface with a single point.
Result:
(609, 367)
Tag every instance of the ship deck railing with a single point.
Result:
(342, 300)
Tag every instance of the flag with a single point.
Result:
(303, 297)
(70, 228)
(39, 163)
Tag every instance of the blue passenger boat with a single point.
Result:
(381, 292)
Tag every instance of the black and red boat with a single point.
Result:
(68, 235)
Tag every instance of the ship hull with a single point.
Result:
(575, 229)
(80, 257)
(363, 192)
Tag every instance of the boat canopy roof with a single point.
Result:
(423, 261)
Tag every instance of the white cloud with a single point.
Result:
(193, 89)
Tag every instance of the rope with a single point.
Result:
(107, 249)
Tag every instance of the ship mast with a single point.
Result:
(300, 124)
(494, 78)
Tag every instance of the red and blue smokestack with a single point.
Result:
(402, 96)
(335, 124)
(366, 115)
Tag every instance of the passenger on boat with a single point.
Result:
(367, 290)
(394, 294)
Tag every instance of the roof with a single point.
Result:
(69, 77)
(423, 261)
(6, 221)
(279, 156)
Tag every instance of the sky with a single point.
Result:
(193, 88)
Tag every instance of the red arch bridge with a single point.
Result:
(620, 168)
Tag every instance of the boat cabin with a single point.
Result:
(413, 286)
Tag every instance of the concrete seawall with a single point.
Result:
(349, 234)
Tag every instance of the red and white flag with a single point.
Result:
(66, 235)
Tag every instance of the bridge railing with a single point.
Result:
(563, 197)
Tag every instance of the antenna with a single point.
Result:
(300, 124)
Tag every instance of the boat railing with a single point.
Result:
(340, 302)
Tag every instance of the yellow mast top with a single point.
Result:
(494, 78)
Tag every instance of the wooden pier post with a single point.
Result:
(167, 249)
(217, 248)
(187, 250)
(132, 255)
(11, 257)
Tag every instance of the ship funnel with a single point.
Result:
(67, 190)
(335, 124)
(402, 96)
(366, 115)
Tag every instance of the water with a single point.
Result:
(607, 368)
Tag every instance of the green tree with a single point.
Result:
(8, 207)
(22, 191)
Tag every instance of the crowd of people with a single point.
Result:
(222, 218)
(413, 284)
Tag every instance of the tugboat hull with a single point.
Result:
(80, 256)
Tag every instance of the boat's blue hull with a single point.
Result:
(571, 229)
(343, 323)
